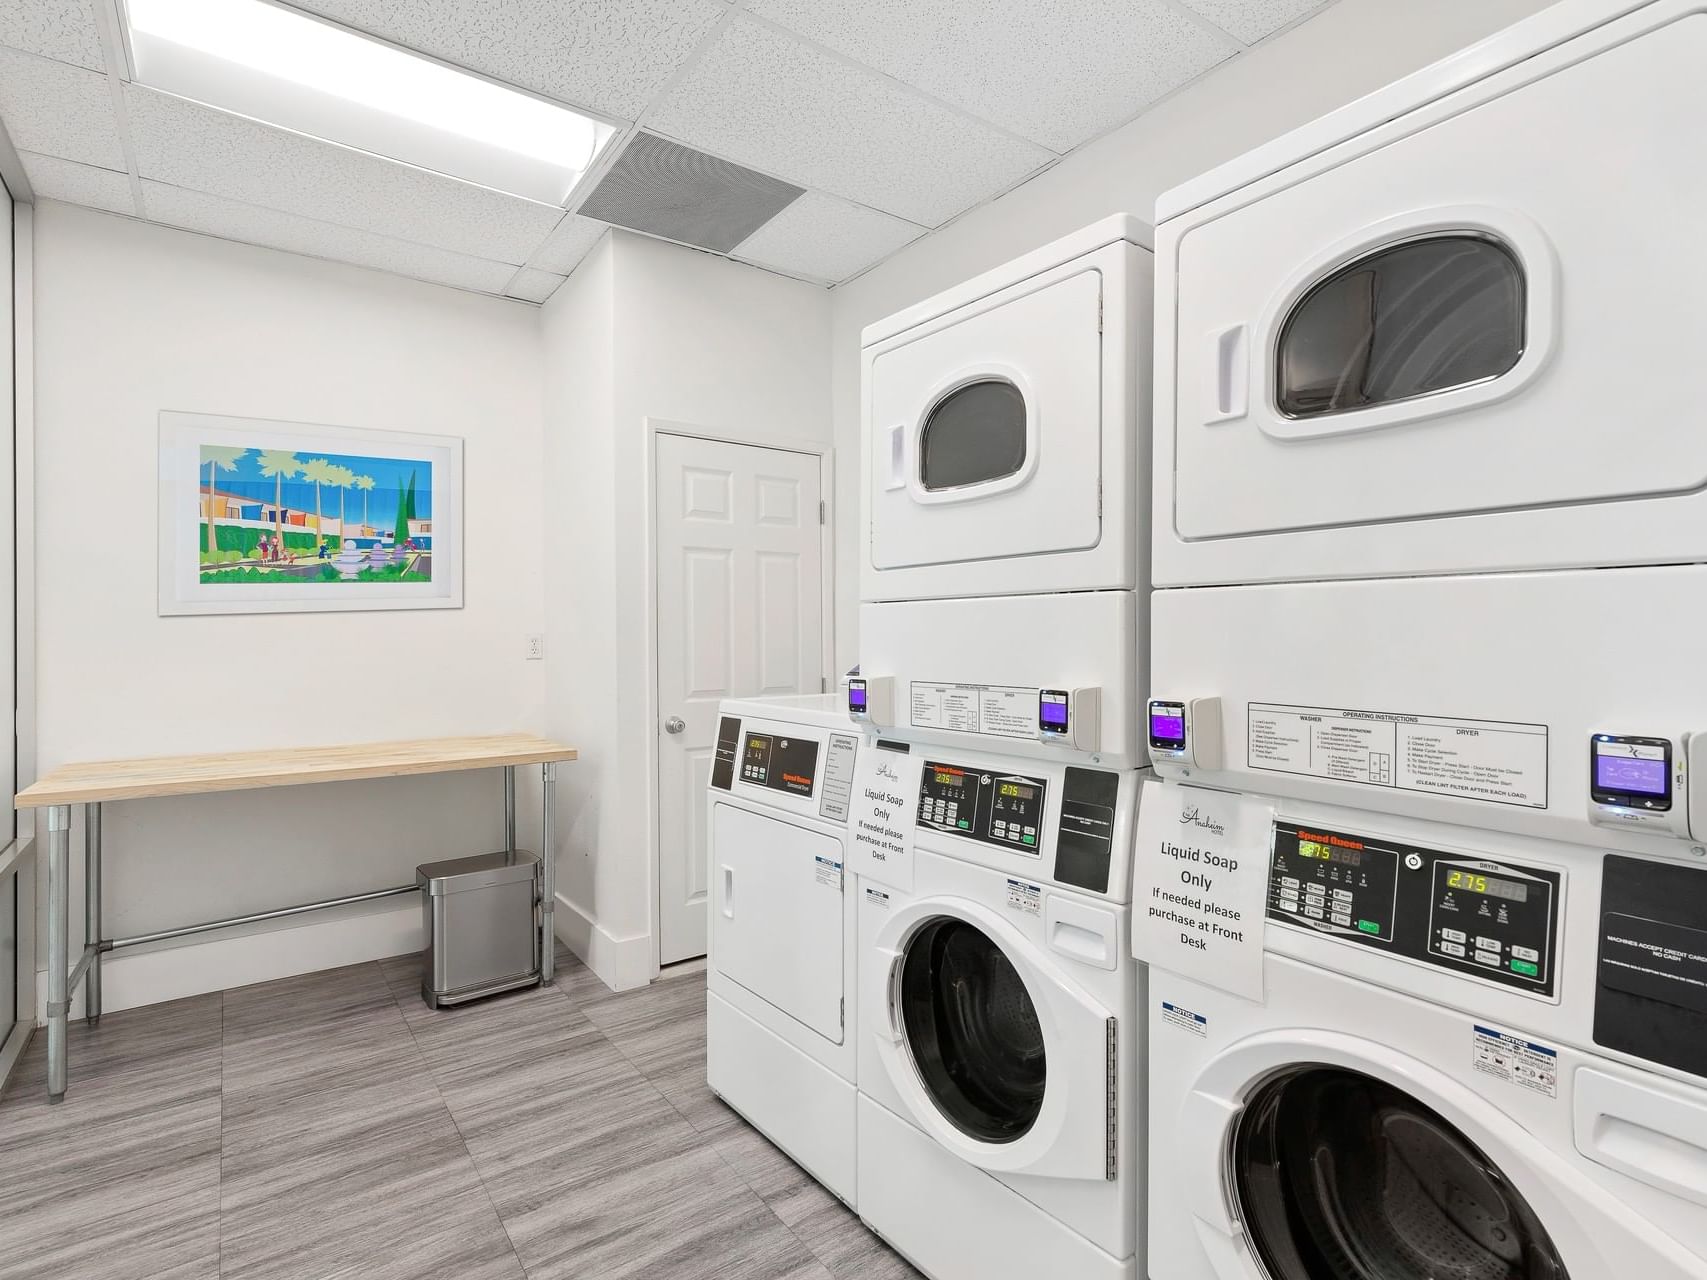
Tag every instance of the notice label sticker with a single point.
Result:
(1027, 899)
(877, 898)
(1497, 761)
(1201, 884)
(828, 873)
(880, 822)
(1004, 711)
(1516, 1060)
(1184, 1019)
(839, 756)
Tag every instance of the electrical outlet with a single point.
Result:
(536, 648)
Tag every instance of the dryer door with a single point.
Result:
(985, 434)
(1004, 1062)
(1436, 327)
(776, 914)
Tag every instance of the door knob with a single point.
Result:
(675, 724)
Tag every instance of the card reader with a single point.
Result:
(1184, 735)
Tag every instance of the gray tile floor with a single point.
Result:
(333, 1126)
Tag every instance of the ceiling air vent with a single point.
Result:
(665, 189)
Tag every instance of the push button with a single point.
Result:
(1488, 957)
(1527, 969)
(1455, 935)
(1453, 949)
(1525, 953)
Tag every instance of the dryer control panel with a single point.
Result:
(1486, 919)
(782, 764)
(1004, 809)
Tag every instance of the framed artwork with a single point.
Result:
(273, 517)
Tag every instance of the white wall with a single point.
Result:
(132, 319)
(1348, 50)
(695, 341)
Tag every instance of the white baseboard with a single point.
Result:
(133, 978)
(622, 964)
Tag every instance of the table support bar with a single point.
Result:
(116, 943)
(91, 912)
(548, 875)
(58, 944)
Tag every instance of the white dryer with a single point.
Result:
(1496, 1069)
(998, 1106)
(1430, 489)
(1005, 427)
(780, 1044)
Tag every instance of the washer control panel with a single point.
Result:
(782, 764)
(1480, 917)
(1002, 809)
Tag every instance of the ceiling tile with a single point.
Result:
(188, 145)
(533, 286)
(60, 29)
(1252, 20)
(84, 184)
(568, 244)
(58, 110)
(823, 238)
(762, 99)
(1059, 72)
(232, 220)
(611, 56)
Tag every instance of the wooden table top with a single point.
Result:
(91, 782)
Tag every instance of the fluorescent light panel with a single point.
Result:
(287, 69)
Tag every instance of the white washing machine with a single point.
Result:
(1496, 1069)
(780, 1016)
(1430, 492)
(1004, 525)
(999, 1116)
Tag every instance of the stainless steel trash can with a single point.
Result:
(482, 935)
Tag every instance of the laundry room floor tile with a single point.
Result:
(331, 1125)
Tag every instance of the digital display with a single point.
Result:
(1631, 768)
(1167, 726)
(947, 779)
(1476, 882)
(1329, 853)
(1052, 710)
(1015, 791)
(856, 697)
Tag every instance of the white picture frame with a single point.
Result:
(270, 554)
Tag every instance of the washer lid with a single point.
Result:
(1340, 1176)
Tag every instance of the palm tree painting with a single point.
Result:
(223, 458)
(365, 484)
(279, 465)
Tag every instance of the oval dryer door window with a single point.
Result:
(973, 435)
(1410, 320)
(973, 1031)
(1341, 1175)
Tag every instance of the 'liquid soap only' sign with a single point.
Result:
(1201, 885)
(880, 825)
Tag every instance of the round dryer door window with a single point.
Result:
(972, 1030)
(1340, 1176)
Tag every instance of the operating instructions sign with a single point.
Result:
(1497, 761)
(1201, 886)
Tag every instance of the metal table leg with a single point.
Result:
(58, 959)
(548, 876)
(92, 911)
(509, 808)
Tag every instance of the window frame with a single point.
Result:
(964, 377)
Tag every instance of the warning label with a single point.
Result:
(877, 898)
(1175, 1016)
(829, 873)
(1517, 1061)
(1006, 711)
(1494, 760)
(1027, 899)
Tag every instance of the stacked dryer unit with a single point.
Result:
(1003, 591)
(1430, 556)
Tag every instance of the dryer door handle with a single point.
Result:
(728, 891)
(1228, 374)
(896, 454)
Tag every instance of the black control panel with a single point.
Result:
(728, 747)
(996, 808)
(1486, 919)
(1651, 990)
(1084, 842)
(782, 764)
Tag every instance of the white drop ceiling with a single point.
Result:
(895, 115)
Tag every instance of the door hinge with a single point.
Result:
(820, 511)
(1111, 1165)
(823, 684)
(842, 1013)
(1099, 315)
(1099, 501)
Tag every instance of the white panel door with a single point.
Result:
(740, 614)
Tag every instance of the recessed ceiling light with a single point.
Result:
(285, 68)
